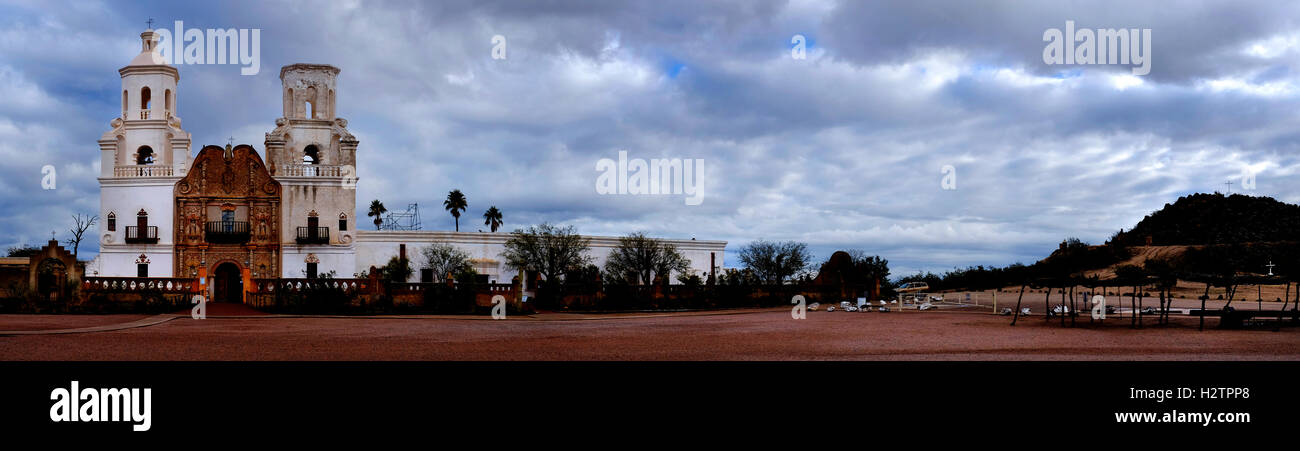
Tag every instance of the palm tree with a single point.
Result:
(377, 210)
(492, 218)
(455, 204)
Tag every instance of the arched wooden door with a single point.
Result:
(228, 283)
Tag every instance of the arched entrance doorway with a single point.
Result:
(51, 277)
(227, 283)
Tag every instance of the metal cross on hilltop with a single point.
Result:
(1229, 185)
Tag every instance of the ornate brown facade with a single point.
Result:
(227, 220)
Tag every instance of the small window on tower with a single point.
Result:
(144, 98)
(112, 221)
(343, 222)
(144, 155)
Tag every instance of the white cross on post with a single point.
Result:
(1270, 266)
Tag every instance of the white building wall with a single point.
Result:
(120, 262)
(340, 259)
(126, 197)
(375, 248)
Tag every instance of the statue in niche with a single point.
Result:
(262, 219)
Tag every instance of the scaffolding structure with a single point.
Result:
(407, 220)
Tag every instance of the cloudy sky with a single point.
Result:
(842, 149)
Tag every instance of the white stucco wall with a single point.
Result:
(327, 196)
(121, 261)
(375, 248)
(340, 259)
(126, 197)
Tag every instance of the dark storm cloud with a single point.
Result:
(841, 150)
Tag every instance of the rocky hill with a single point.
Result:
(1205, 219)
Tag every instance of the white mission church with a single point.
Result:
(235, 213)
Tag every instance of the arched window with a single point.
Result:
(112, 221)
(311, 154)
(144, 102)
(144, 155)
(167, 101)
(309, 106)
(124, 104)
(343, 222)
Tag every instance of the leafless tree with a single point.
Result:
(80, 224)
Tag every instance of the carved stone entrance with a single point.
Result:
(227, 210)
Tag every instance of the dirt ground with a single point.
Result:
(768, 334)
(46, 322)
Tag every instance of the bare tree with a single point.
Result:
(80, 224)
(548, 249)
(445, 259)
(775, 262)
(640, 259)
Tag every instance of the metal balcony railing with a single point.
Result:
(313, 235)
(226, 232)
(136, 235)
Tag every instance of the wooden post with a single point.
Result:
(1132, 305)
(1203, 298)
(1282, 314)
(1141, 298)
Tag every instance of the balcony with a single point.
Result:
(313, 235)
(145, 235)
(226, 232)
(142, 170)
(310, 170)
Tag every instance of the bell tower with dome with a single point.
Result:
(144, 154)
